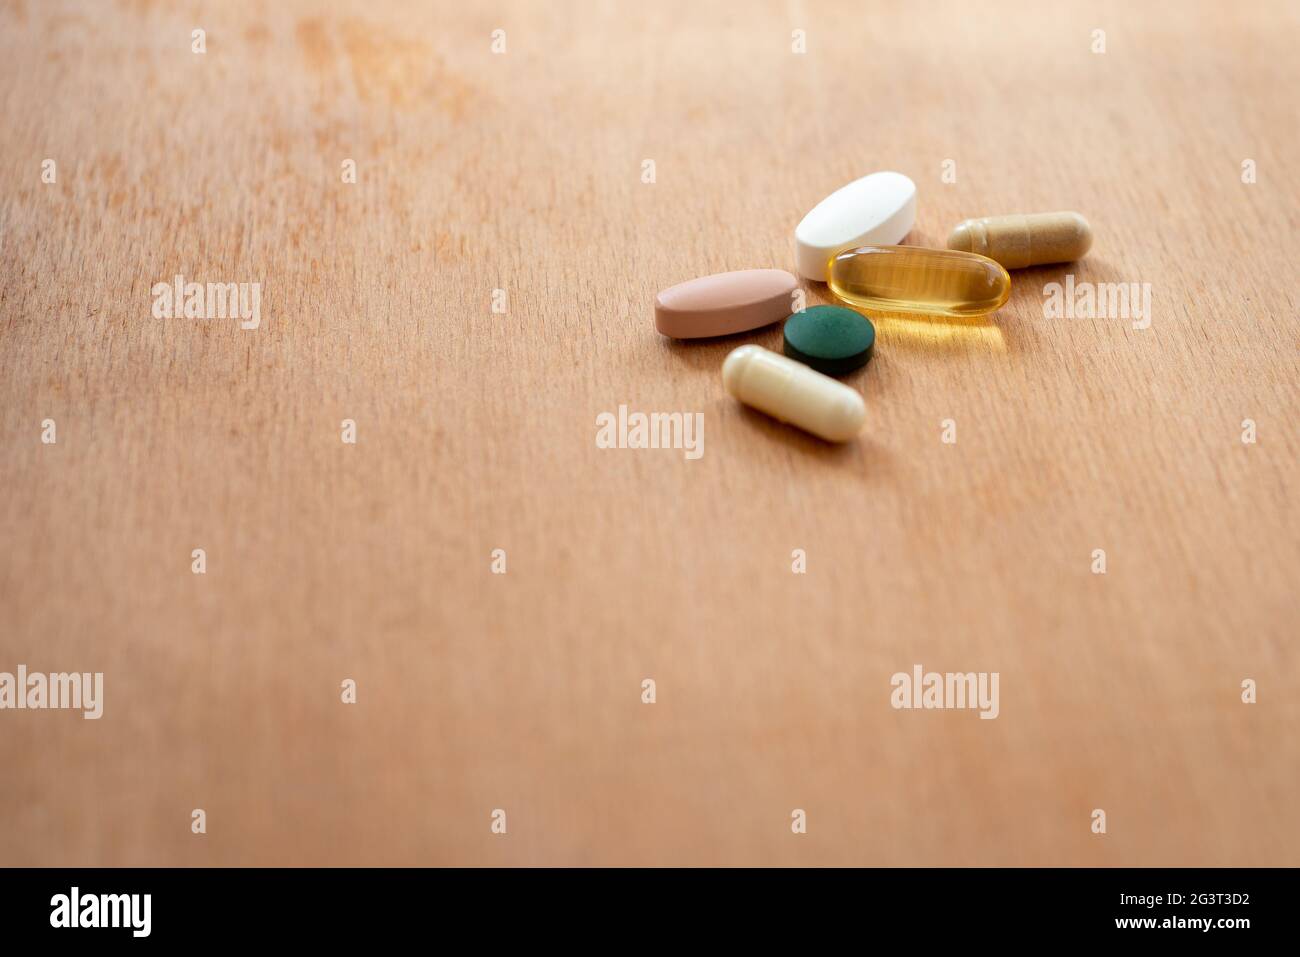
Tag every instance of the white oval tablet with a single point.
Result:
(877, 210)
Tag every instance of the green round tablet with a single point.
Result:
(831, 339)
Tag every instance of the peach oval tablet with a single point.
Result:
(725, 303)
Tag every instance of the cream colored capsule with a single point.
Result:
(792, 392)
(1025, 240)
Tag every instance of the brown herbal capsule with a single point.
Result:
(1025, 240)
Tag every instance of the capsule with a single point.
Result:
(911, 279)
(792, 392)
(1025, 240)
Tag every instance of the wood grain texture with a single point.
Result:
(476, 431)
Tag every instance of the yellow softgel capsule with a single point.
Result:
(911, 279)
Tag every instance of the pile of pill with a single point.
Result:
(851, 241)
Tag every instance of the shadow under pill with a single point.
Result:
(939, 334)
(706, 354)
(810, 446)
(1029, 285)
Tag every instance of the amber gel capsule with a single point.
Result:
(1031, 239)
(911, 279)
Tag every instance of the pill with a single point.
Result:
(792, 392)
(876, 210)
(911, 279)
(831, 339)
(1025, 240)
(725, 303)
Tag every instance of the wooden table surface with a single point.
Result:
(524, 171)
